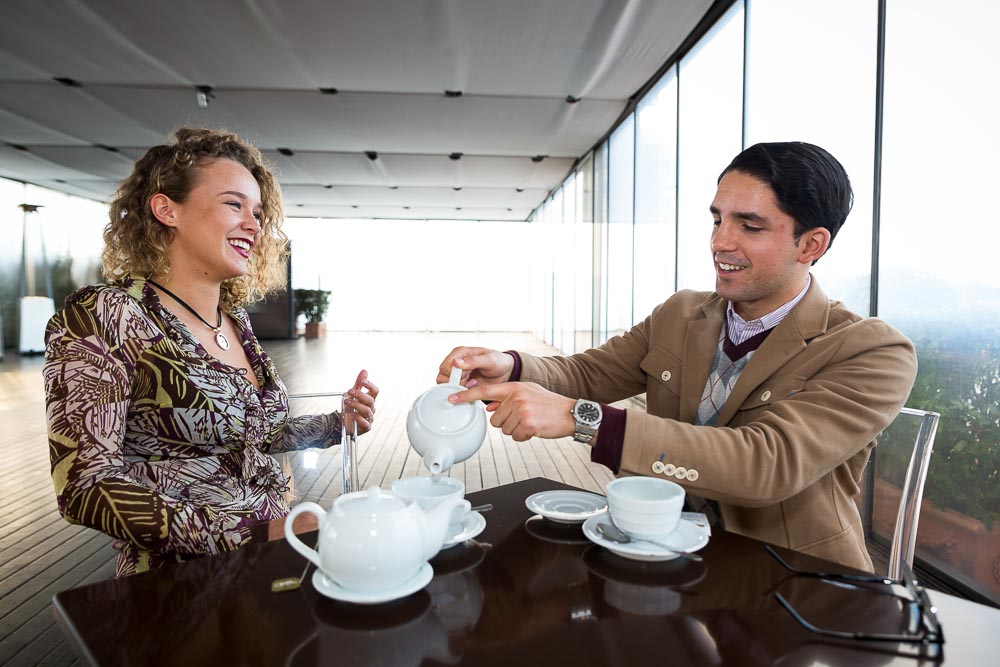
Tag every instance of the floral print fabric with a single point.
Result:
(154, 441)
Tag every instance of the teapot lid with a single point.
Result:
(371, 500)
(443, 417)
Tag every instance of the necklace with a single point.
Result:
(220, 338)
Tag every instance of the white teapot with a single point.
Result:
(442, 432)
(373, 541)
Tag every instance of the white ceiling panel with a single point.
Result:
(411, 196)
(131, 69)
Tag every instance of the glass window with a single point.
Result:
(621, 171)
(420, 272)
(11, 220)
(600, 245)
(655, 195)
(584, 251)
(824, 95)
(936, 281)
(710, 119)
(560, 244)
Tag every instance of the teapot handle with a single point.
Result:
(293, 539)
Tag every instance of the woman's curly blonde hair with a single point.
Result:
(136, 242)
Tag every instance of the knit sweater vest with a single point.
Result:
(730, 360)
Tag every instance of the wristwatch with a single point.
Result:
(587, 415)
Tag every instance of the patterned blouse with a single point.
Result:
(157, 443)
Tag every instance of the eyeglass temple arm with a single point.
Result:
(861, 578)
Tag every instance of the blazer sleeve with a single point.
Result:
(91, 350)
(815, 420)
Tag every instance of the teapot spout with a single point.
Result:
(438, 459)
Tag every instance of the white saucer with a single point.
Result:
(566, 506)
(688, 536)
(472, 524)
(331, 589)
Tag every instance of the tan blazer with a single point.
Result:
(786, 457)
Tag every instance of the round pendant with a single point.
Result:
(222, 341)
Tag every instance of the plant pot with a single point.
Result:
(315, 329)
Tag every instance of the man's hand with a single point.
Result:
(479, 366)
(523, 409)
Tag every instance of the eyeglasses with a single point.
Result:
(923, 628)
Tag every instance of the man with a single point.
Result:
(764, 396)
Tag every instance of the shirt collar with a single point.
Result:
(768, 321)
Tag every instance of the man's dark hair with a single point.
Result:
(809, 184)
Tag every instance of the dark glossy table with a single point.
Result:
(526, 592)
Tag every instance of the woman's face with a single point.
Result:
(217, 226)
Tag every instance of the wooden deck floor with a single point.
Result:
(41, 554)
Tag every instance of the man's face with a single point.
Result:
(759, 265)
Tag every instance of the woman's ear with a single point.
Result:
(162, 208)
(814, 244)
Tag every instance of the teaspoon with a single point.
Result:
(616, 534)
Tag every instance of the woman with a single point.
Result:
(162, 406)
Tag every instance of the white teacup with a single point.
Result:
(428, 492)
(647, 508)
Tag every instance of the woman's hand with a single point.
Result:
(359, 405)
(304, 523)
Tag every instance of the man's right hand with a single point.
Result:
(479, 366)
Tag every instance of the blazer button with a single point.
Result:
(680, 472)
(765, 396)
(665, 376)
(669, 469)
(692, 475)
(657, 467)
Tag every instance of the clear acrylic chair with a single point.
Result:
(313, 473)
(902, 458)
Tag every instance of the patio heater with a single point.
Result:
(35, 311)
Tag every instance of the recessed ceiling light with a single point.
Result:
(456, 189)
(453, 93)
(371, 155)
(455, 156)
(572, 100)
(519, 189)
(329, 91)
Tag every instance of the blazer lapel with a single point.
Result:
(806, 321)
(700, 342)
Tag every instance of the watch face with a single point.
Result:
(588, 413)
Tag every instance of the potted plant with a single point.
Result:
(313, 304)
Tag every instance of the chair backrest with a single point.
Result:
(918, 427)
